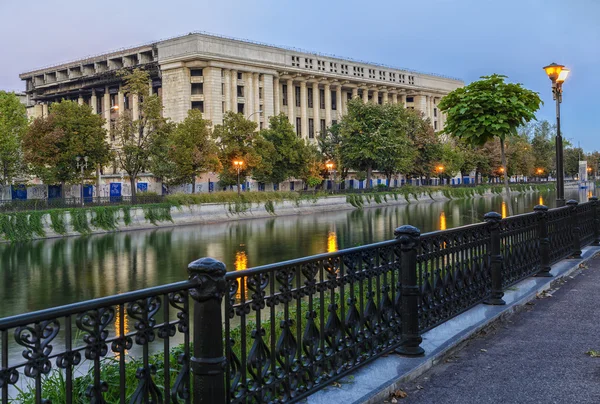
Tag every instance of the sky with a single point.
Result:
(458, 38)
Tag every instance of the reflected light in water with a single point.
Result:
(541, 201)
(503, 209)
(332, 242)
(118, 327)
(442, 220)
(241, 262)
(589, 194)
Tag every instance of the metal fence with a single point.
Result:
(280, 332)
(20, 205)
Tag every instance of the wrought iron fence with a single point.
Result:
(287, 329)
(16, 205)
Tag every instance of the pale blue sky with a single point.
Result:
(459, 38)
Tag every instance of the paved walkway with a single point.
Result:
(539, 356)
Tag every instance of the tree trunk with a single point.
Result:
(369, 175)
(506, 187)
(133, 190)
(193, 184)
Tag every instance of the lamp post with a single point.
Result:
(558, 74)
(329, 166)
(238, 165)
(440, 170)
(81, 164)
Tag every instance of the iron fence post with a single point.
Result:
(594, 201)
(409, 240)
(208, 362)
(575, 228)
(493, 219)
(542, 212)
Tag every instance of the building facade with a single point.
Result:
(216, 74)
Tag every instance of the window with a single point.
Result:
(295, 61)
(199, 105)
(348, 96)
(196, 72)
(322, 99)
(323, 126)
(197, 88)
(113, 100)
(126, 102)
(435, 112)
(379, 100)
(99, 105)
(260, 93)
(410, 99)
(260, 126)
(311, 128)
(222, 89)
(333, 101)
(310, 97)
(240, 91)
(411, 79)
(284, 94)
(435, 125)
(240, 108)
(333, 67)
(239, 76)
(297, 93)
(298, 127)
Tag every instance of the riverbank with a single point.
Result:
(183, 209)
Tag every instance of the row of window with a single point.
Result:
(311, 127)
(357, 71)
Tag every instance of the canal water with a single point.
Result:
(48, 273)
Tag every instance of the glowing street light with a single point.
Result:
(238, 164)
(330, 166)
(558, 74)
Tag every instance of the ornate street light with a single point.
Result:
(558, 74)
(238, 165)
(440, 171)
(330, 168)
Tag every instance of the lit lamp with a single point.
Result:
(440, 170)
(558, 74)
(329, 166)
(238, 165)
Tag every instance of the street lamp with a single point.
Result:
(440, 170)
(238, 165)
(82, 164)
(329, 165)
(558, 74)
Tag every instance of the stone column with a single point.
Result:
(80, 100)
(394, 98)
(93, 102)
(106, 107)
(365, 95)
(268, 107)
(135, 107)
(248, 94)
(291, 102)
(213, 97)
(344, 101)
(120, 102)
(45, 109)
(338, 96)
(177, 93)
(256, 91)
(354, 93)
(385, 97)
(375, 96)
(303, 110)
(403, 99)
(316, 108)
(327, 104)
(276, 95)
(233, 90)
(227, 86)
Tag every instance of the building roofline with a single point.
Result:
(246, 41)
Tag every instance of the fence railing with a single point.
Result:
(280, 332)
(20, 205)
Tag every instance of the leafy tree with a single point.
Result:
(13, 125)
(52, 144)
(134, 138)
(489, 108)
(312, 173)
(572, 156)
(593, 160)
(452, 158)
(192, 149)
(543, 148)
(519, 155)
(237, 140)
(427, 146)
(285, 156)
(329, 143)
(374, 137)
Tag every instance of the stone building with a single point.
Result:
(216, 74)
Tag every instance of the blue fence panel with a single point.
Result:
(115, 192)
(54, 191)
(88, 193)
(142, 187)
(19, 192)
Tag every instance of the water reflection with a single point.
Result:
(241, 262)
(541, 201)
(504, 209)
(118, 331)
(53, 272)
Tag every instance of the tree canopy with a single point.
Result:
(13, 125)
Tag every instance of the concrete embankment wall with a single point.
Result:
(222, 212)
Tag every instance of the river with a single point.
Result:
(46, 273)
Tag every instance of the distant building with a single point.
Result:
(216, 74)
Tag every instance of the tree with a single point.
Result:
(374, 137)
(427, 146)
(543, 148)
(285, 156)
(13, 125)
(51, 144)
(489, 108)
(572, 156)
(134, 138)
(593, 160)
(518, 152)
(237, 140)
(192, 149)
(329, 143)
(452, 158)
